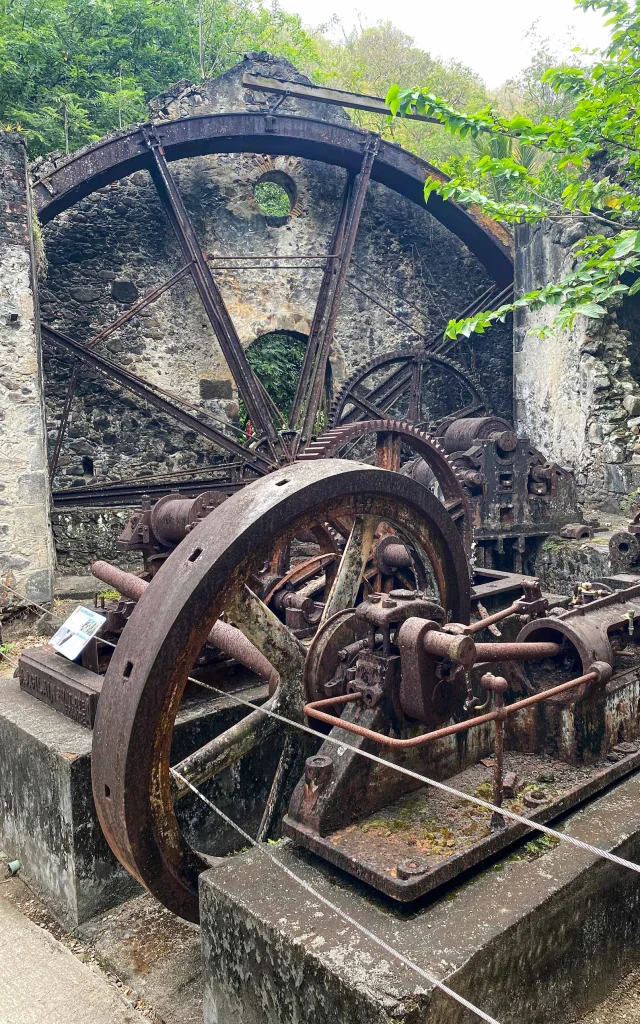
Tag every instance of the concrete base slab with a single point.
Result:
(533, 941)
(154, 953)
(41, 981)
(47, 816)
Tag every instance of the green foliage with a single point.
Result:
(589, 163)
(277, 360)
(372, 59)
(71, 71)
(110, 595)
(272, 199)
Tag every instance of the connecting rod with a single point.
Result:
(227, 638)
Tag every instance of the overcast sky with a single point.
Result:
(487, 35)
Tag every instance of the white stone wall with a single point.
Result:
(26, 547)
(574, 395)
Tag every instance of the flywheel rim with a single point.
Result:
(151, 663)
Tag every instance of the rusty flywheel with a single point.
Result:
(209, 573)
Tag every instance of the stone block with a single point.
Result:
(632, 404)
(534, 941)
(47, 816)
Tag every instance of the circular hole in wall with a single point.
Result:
(275, 194)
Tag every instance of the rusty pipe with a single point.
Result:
(498, 686)
(230, 640)
(313, 711)
(475, 627)
(517, 651)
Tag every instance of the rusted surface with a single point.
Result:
(586, 629)
(116, 157)
(329, 445)
(315, 711)
(222, 635)
(365, 396)
(465, 431)
(207, 573)
(210, 295)
(449, 835)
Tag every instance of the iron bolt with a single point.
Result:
(625, 748)
(318, 770)
(412, 868)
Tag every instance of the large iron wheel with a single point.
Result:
(427, 389)
(210, 572)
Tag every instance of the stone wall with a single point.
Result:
(575, 396)
(26, 548)
(117, 243)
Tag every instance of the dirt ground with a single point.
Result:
(622, 1006)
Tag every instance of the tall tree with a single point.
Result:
(589, 164)
(72, 70)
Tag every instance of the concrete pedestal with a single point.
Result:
(47, 816)
(532, 941)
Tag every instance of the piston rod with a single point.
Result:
(227, 638)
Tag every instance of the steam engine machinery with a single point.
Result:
(370, 644)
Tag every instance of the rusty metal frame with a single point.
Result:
(254, 459)
(209, 292)
(321, 305)
(282, 134)
(106, 332)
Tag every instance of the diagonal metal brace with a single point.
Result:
(339, 277)
(209, 293)
(255, 460)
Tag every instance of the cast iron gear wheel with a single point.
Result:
(390, 436)
(354, 401)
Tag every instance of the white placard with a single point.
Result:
(72, 638)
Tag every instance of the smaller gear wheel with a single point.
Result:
(428, 390)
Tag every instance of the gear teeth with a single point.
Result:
(342, 397)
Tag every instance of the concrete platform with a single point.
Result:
(535, 941)
(47, 816)
(41, 981)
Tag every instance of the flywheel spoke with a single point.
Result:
(275, 640)
(388, 444)
(352, 567)
(223, 750)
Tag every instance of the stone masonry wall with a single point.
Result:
(117, 243)
(575, 395)
(26, 547)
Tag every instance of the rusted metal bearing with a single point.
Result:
(208, 570)
(390, 554)
(624, 549)
(463, 433)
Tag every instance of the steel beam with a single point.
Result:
(334, 97)
(327, 327)
(106, 332)
(131, 382)
(210, 295)
(339, 144)
(330, 268)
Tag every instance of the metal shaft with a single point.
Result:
(226, 637)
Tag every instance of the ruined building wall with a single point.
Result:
(26, 548)
(576, 395)
(117, 243)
